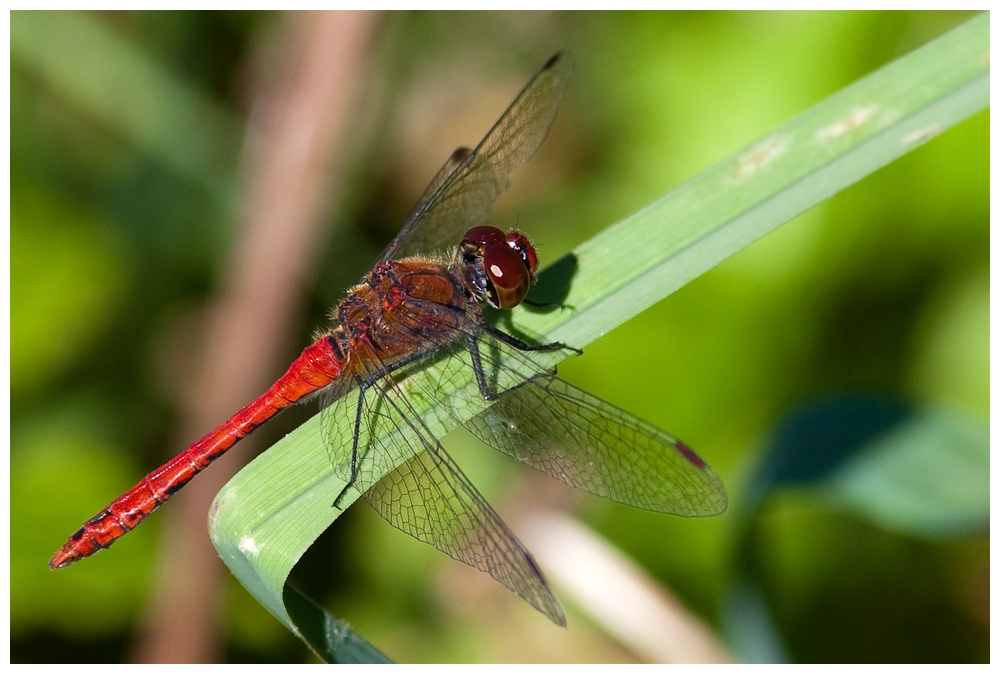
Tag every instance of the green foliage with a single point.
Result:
(929, 478)
(71, 446)
(66, 275)
(268, 515)
(123, 151)
(162, 115)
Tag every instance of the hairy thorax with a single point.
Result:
(399, 308)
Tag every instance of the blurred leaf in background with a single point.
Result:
(119, 220)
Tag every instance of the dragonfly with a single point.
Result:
(424, 300)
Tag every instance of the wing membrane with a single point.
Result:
(578, 438)
(428, 497)
(589, 444)
(464, 198)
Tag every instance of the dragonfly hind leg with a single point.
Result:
(362, 387)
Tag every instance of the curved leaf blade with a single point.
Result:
(269, 514)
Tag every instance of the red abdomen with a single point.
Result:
(319, 364)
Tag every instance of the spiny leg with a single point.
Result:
(362, 387)
(546, 305)
(511, 340)
(477, 367)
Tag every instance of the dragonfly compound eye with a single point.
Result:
(484, 236)
(474, 245)
(509, 276)
(519, 243)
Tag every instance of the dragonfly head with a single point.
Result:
(499, 267)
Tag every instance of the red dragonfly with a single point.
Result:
(415, 306)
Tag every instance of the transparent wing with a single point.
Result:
(428, 496)
(462, 193)
(458, 157)
(580, 439)
(589, 444)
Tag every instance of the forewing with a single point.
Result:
(463, 199)
(592, 445)
(459, 157)
(576, 437)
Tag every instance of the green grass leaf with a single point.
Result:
(332, 640)
(929, 477)
(177, 125)
(270, 513)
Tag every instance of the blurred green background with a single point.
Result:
(125, 168)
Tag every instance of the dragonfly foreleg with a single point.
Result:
(546, 305)
(484, 387)
(511, 340)
(363, 385)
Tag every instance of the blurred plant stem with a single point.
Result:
(618, 594)
(293, 159)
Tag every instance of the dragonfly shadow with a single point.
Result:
(553, 285)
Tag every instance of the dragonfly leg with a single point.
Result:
(546, 305)
(362, 387)
(511, 340)
(484, 387)
(477, 367)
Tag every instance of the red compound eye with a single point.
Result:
(484, 236)
(508, 274)
(519, 243)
